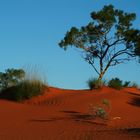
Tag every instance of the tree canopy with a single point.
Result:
(11, 77)
(109, 38)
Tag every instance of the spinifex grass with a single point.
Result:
(29, 88)
(31, 85)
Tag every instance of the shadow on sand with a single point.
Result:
(83, 117)
(46, 120)
(135, 101)
(72, 116)
(132, 132)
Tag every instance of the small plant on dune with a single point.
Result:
(94, 83)
(115, 83)
(106, 102)
(100, 111)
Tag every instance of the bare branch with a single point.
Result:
(91, 63)
(117, 41)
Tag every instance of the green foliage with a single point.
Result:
(18, 85)
(106, 102)
(24, 90)
(30, 88)
(11, 77)
(100, 111)
(93, 83)
(109, 39)
(115, 83)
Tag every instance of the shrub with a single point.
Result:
(31, 85)
(115, 83)
(25, 90)
(106, 102)
(100, 111)
(94, 83)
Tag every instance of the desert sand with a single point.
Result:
(62, 114)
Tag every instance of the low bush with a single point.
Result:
(94, 83)
(100, 111)
(115, 83)
(27, 84)
(25, 90)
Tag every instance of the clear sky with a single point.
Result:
(31, 29)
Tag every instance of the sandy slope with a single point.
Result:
(64, 115)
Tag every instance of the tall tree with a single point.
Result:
(110, 39)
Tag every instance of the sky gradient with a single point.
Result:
(30, 31)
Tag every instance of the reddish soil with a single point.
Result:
(64, 115)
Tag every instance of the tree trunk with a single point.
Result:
(101, 72)
(100, 79)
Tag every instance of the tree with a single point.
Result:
(11, 77)
(109, 38)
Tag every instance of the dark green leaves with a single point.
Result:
(10, 77)
(70, 37)
(106, 16)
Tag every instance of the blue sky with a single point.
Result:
(31, 29)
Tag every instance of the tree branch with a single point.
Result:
(115, 42)
(124, 51)
(91, 63)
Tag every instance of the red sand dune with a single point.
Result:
(63, 115)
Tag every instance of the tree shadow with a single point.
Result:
(46, 120)
(133, 132)
(74, 116)
(69, 112)
(82, 117)
(77, 115)
(133, 93)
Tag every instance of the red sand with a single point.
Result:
(63, 115)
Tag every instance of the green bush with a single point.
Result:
(25, 90)
(27, 85)
(115, 83)
(100, 111)
(106, 102)
(93, 83)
